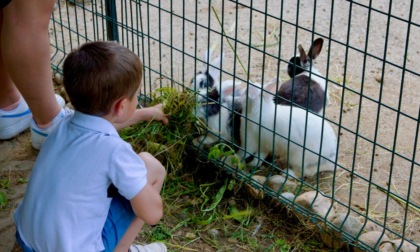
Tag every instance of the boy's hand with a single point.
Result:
(156, 114)
(146, 114)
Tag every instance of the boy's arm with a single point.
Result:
(147, 205)
(145, 114)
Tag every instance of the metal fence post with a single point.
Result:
(111, 20)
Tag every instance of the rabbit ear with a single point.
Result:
(207, 57)
(227, 91)
(303, 56)
(274, 81)
(316, 48)
(272, 86)
(254, 92)
(227, 88)
(214, 68)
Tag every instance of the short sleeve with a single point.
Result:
(127, 171)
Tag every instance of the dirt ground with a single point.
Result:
(374, 84)
(16, 160)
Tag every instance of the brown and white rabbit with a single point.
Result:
(306, 88)
(265, 130)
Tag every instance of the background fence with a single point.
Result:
(370, 60)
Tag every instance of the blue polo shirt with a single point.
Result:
(66, 204)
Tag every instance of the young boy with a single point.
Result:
(67, 206)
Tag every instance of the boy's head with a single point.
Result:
(99, 73)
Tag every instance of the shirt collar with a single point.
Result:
(95, 123)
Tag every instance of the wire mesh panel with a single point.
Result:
(367, 68)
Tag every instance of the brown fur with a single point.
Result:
(306, 93)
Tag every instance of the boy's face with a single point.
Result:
(133, 102)
(130, 107)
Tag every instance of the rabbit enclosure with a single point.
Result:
(370, 62)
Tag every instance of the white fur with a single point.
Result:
(218, 124)
(274, 125)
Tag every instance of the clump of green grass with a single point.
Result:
(166, 142)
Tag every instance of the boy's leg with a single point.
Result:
(130, 235)
(120, 217)
(156, 174)
(126, 242)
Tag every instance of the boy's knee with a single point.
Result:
(162, 170)
(159, 169)
(152, 163)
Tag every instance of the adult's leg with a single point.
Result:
(26, 53)
(9, 94)
(156, 174)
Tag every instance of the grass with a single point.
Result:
(208, 210)
(205, 208)
(166, 142)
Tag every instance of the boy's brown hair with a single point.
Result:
(99, 73)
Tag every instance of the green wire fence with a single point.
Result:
(370, 62)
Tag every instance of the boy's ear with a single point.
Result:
(119, 106)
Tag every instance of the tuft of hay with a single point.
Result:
(166, 142)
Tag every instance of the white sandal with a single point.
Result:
(152, 247)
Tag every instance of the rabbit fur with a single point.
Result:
(296, 89)
(257, 132)
(218, 104)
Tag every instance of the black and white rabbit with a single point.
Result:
(296, 89)
(267, 132)
(218, 104)
(222, 118)
(209, 74)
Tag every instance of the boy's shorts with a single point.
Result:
(119, 218)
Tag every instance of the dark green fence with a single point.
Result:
(370, 63)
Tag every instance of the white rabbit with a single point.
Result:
(296, 89)
(265, 130)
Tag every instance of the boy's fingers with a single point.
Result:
(165, 119)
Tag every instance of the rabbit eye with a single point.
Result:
(202, 83)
